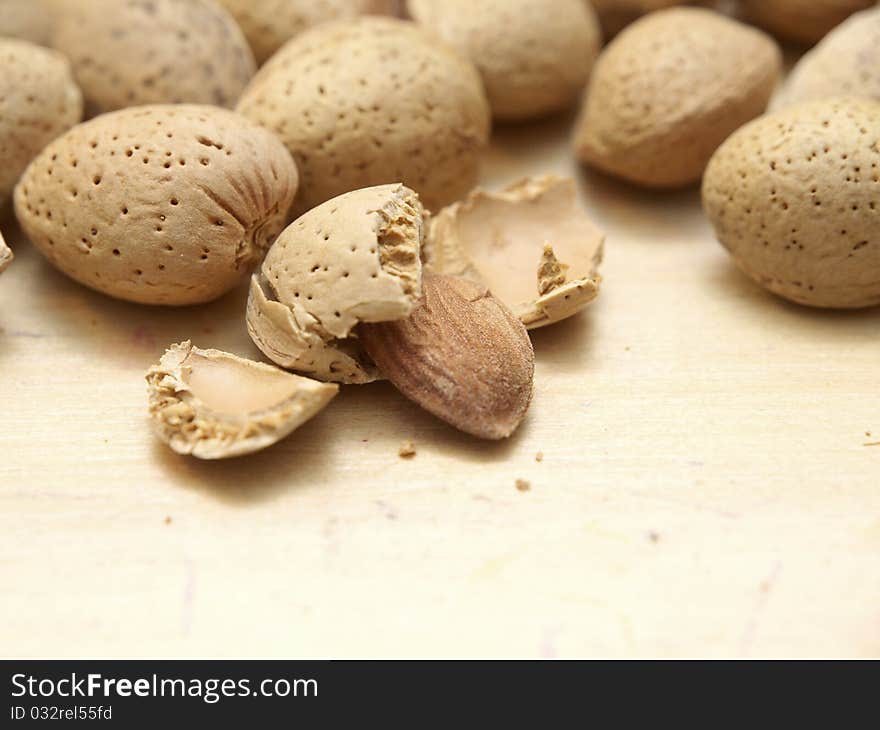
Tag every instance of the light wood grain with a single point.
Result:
(706, 488)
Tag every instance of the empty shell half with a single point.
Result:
(213, 404)
(355, 258)
(530, 244)
(5, 254)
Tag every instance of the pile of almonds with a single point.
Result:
(331, 152)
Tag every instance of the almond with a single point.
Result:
(534, 56)
(461, 354)
(801, 21)
(29, 20)
(793, 198)
(668, 90)
(38, 101)
(845, 63)
(373, 101)
(615, 15)
(131, 52)
(269, 24)
(165, 204)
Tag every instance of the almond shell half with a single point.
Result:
(213, 405)
(509, 241)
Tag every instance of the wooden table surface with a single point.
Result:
(710, 483)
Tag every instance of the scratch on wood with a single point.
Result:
(548, 643)
(143, 338)
(765, 588)
(25, 333)
(189, 594)
(390, 512)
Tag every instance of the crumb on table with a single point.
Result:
(522, 485)
(539, 456)
(407, 449)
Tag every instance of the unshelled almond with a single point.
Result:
(461, 354)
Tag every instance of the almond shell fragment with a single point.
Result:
(355, 258)
(5, 254)
(213, 405)
(501, 239)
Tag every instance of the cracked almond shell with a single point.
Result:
(353, 259)
(38, 101)
(845, 63)
(269, 24)
(530, 243)
(158, 204)
(131, 52)
(373, 101)
(803, 21)
(534, 56)
(668, 90)
(5, 254)
(212, 404)
(461, 355)
(795, 198)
